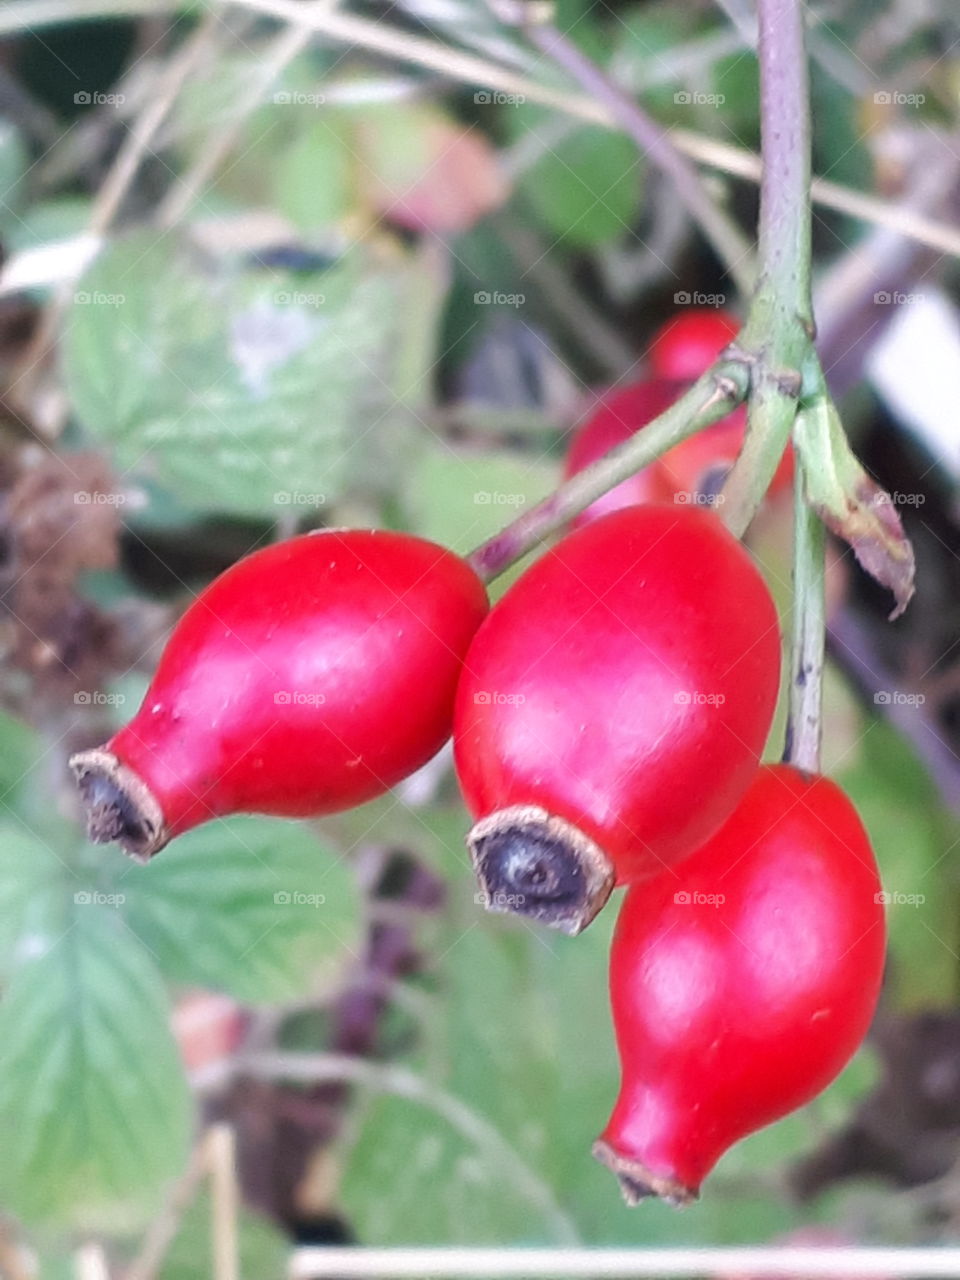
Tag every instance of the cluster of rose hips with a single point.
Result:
(608, 717)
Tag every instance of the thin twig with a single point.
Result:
(853, 647)
(140, 138)
(30, 15)
(883, 213)
(849, 322)
(469, 69)
(288, 45)
(846, 1262)
(221, 1148)
(163, 1229)
(785, 215)
(653, 140)
(90, 1263)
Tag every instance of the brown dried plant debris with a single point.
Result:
(58, 519)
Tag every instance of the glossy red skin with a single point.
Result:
(730, 1015)
(572, 696)
(679, 475)
(361, 633)
(688, 343)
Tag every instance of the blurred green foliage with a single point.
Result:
(94, 1105)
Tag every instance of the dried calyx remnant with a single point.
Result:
(534, 864)
(120, 807)
(638, 1183)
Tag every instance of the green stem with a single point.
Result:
(802, 746)
(779, 329)
(785, 218)
(710, 398)
(778, 336)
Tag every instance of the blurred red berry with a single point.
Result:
(689, 342)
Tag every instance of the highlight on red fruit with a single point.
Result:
(613, 708)
(742, 981)
(309, 677)
(687, 344)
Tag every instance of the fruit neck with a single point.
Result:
(644, 1145)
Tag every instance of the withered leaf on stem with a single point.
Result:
(851, 503)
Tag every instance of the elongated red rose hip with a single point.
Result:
(742, 982)
(309, 677)
(613, 709)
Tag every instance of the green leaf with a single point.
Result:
(587, 188)
(19, 751)
(94, 1105)
(459, 497)
(645, 36)
(840, 135)
(50, 220)
(216, 95)
(249, 906)
(249, 391)
(437, 833)
(481, 419)
(461, 1183)
(56, 1263)
(314, 178)
(31, 889)
(736, 82)
(482, 1145)
(911, 837)
(264, 1251)
(13, 165)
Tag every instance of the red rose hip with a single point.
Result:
(613, 708)
(687, 344)
(309, 677)
(742, 982)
